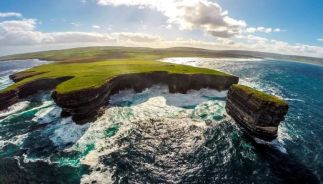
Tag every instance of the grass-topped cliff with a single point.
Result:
(94, 74)
(83, 79)
(93, 67)
(259, 94)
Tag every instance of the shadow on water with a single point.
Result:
(284, 165)
(16, 171)
(128, 161)
(37, 158)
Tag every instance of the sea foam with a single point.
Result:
(15, 108)
(153, 110)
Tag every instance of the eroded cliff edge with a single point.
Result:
(258, 113)
(85, 105)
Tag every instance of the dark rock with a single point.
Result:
(11, 97)
(258, 113)
(86, 105)
(23, 75)
(38, 85)
(8, 98)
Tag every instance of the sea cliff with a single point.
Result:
(86, 104)
(258, 113)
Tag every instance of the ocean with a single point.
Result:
(158, 137)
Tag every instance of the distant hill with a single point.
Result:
(90, 54)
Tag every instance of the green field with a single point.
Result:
(260, 94)
(90, 54)
(93, 67)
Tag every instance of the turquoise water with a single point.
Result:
(157, 137)
(302, 86)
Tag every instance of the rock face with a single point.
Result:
(258, 113)
(85, 105)
(11, 97)
(23, 75)
(8, 98)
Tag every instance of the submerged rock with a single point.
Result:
(257, 112)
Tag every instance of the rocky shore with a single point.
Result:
(11, 97)
(85, 105)
(258, 113)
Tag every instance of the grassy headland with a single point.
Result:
(93, 54)
(93, 67)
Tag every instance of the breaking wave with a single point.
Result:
(158, 137)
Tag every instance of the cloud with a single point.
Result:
(262, 29)
(16, 32)
(23, 33)
(189, 14)
(96, 27)
(76, 24)
(256, 43)
(195, 14)
(320, 39)
(18, 25)
(136, 37)
(76, 37)
(10, 14)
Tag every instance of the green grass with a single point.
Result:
(94, 54)
(260, 94)
(94, 72)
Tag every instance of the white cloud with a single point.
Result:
(189, 14)
(96, 27)
(279, 30)
(19, 32)
(10, 14)
(251, 42)
(75, 37)
(195, 14)
(76, 24)
(320, 39)
(136, 37)
(262, 29)
(23, 33)
(18, 25)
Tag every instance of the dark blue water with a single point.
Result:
(9, 67)
(302, 86)
(157, 137)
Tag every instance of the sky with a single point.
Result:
(288, 27)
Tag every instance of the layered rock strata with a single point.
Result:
(258, 113)
(85, 105)
(23, 75)
(11, 97)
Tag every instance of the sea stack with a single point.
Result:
(257, 112)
